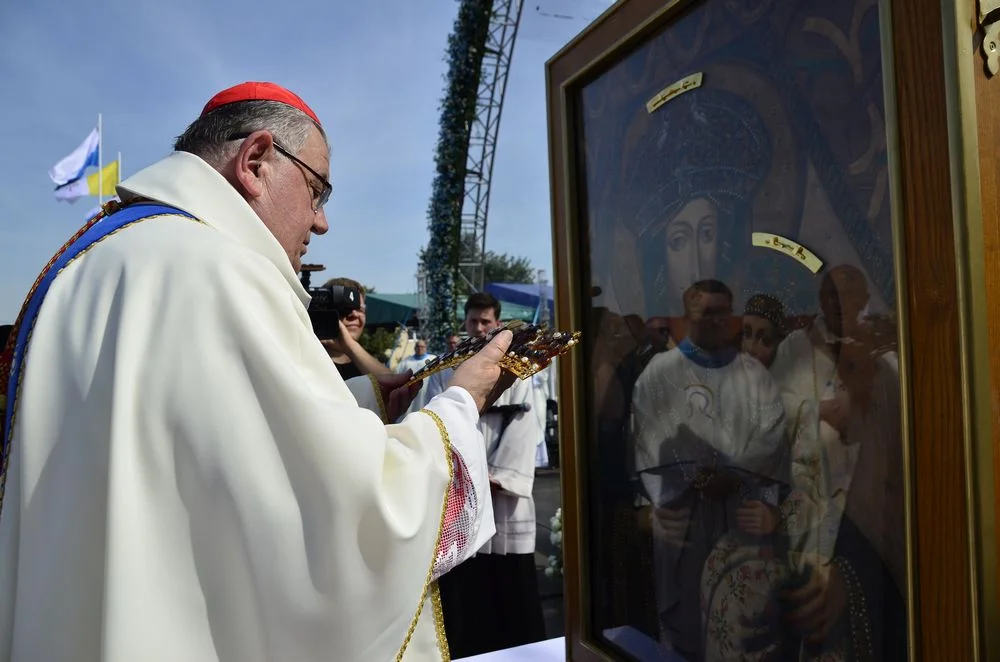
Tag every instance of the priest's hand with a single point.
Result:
(672, 525)
(836, 412)
(482, 375)
(817, 607)
(757, 518)
(396, 396)
(344, 343)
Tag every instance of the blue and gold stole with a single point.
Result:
(113, 217)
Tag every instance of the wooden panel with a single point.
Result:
(942, 569)
(567, 278)
(988, 116)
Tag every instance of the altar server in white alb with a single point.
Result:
(189, 477)
(710, 455)
(491, 602)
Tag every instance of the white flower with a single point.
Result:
(556, 520)
(554, 568)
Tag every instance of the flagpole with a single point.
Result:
(100, 160)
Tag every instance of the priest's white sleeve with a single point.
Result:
(469, 522)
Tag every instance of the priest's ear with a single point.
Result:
(251, 162)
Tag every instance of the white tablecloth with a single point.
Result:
(550, 650)
(554, 650)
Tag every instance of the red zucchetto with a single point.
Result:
(252, 91)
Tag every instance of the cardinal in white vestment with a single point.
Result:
(708, 434)
(188, 478)
(846, 523)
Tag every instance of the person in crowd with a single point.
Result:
(711, 456)
(349, 357)
(491, 602)
(413, 363)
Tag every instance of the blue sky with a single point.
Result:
(373, 71)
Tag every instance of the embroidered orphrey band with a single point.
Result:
(430, 586)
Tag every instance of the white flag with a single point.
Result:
(73, 166)
(73, 191)
(101, 182)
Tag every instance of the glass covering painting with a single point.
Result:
(744, 452)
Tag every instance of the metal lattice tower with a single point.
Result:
(543, 313)
(504, 19)
(421, 296)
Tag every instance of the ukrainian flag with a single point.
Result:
(101, 183)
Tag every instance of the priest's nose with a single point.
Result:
(320, 224)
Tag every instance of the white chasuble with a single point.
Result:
(858, 474)
(692, 411)
(510, 454)
(190, 478)
(708, 435)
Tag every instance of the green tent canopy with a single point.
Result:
(390, 309)
(401, 309)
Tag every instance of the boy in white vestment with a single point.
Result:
(708, 433)
(491, 601)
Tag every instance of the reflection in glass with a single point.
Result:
(711, 457)
(745, 453)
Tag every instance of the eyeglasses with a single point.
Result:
(320, 197)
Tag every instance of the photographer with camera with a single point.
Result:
(338, 315)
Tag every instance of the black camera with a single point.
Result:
(329, 305)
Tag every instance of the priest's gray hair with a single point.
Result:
(211, 136)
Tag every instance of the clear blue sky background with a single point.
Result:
(373, 71)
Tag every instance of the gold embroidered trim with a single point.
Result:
(442, 636)
(27, 346)
(430, 586)
(382, 411)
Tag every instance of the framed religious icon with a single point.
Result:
(771, 225)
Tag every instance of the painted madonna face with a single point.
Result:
(692, 244)
(760, 339)
(690, 192)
